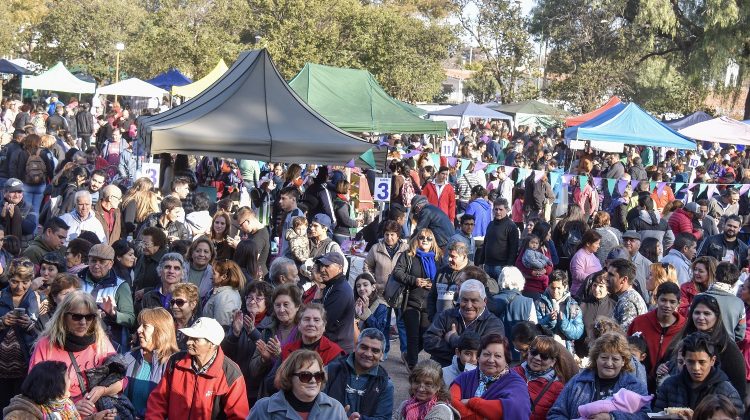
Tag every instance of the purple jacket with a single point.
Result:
(509, 389)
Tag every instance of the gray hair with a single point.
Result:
(110, 190)
(459, 247)
(373, 334)
(172, 256)
(82, 193)
(511, 278)
(278, 267)
(472, 285)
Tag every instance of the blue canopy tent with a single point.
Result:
(170, 78)
(471, 110)
(8, 67)
(629, 124)
(688, 120)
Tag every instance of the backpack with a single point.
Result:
(36, 170)
(572, 241)
(407, 191)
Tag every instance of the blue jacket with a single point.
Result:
(276, 407)
(580, 390)
(482, 212)
(28, 302)
(374, 401)
(568, 325)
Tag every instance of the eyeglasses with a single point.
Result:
(425, 238)
(78, 317)
(178, 302)
(535, 352)
(250, 298)
(307, 377)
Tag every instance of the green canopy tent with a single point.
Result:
(533, 113)
(354, 101)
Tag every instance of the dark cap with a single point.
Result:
(13, 185)
(631, 234)
(331, 258)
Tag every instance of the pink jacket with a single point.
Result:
(744, 344)
(623, 400)
(86, 359)
(582, 265)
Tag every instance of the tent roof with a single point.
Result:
(58, 78)
(132, 87)
(417, 111)
(580, 119)
(688, 120)
(470, 109)
(354, 101)
(251, 113)
(533, 107)
(722, 130)
(629, 124)
(170, 78)
(9, 68)
(192, 90)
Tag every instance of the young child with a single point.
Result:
(533, 258)
(639, 350)
(369, 309)
(465, 359)
(557, 311)
(299, 244)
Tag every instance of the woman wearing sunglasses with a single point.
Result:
(300, 381)
(146, 364)
(546, 369)
(184, 306)
(18, 313)
(416, 269)
(75, 337)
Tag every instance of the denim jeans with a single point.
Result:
(493, 270)
(33, 194)
(401, 327)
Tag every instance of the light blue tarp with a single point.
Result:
(629, 124)
(472, 110)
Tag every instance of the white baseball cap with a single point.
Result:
(207, 328)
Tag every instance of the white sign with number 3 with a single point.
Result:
(150, 171)
(382, 189)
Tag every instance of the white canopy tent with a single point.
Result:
(57, 79)
(721, 129)
(132, 87)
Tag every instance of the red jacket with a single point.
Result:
(547, 400)
(327, 349)
(181, 394)
(744, 344)
(534, 283)
(447, 200)
(681, 221)
(687, 293)
(656, 337)
(476, 408)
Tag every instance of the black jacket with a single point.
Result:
(407, 270)
(443, 351)
(501, 242)
(715, 246)
(339, 372)
(338, 301)
(84, 124)
(437, 221)
(678, 391)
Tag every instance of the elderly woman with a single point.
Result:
(610, 237)
(225, 297)
(287, 299)
(75, 333)
(609, 370)
(170, 270)
(704, 273)
(200, 256)
(311, 324)
(509, 305)
(585, 261)
(18, 312)
(546, 369)
(428, 396)
(416, 269)
(300, 381)
(59, 288)
(145, 365)
(491, 391)
(185, 307)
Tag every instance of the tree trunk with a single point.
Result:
(747, 105)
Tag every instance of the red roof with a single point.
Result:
(580, 119)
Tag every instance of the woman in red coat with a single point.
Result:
(547, 367)
(704, 269)
(311, 325)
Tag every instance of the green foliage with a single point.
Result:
(482, 86)
(660, 88)
(17, 18)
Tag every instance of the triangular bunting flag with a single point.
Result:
(464, 164)
(522, 174)
(350, 164)
(538, 175)
(744, 188)
(678, 186)
(412, 154)
(583, 180)
(702, 188)
(611, 186)
(479, 166)
(712, 189)
(435, 160)
(369, 158)
(634, 183)
(660, 187)
(652, 185)
(554, 178)
(491, 168)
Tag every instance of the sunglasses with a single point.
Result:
(425, 238)
(22, 261)
(307, 377)
(535, 352)
(78, 317)
(178, 302)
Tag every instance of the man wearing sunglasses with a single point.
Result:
(201, 383)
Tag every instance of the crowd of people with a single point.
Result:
(126, 299)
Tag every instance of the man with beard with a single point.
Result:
(725, 246)
(359, 382)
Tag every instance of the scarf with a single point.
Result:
(417, 410)
(532, 376)
(485, 381)
(297, 405)
(342, 197)
(259, 317)
(61, 408)
(727, 288)
(428, 263)
(75, 343)
(13, 224)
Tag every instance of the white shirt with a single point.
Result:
(76, 226)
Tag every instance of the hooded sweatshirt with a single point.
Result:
(481, 209)
(657, 337)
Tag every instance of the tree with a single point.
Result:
(482, 86)
(499, 30)
(17, 19)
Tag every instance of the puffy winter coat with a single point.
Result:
(682, 221)
(445, 202)
(580, 390)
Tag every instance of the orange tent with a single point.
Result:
(580, 119)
